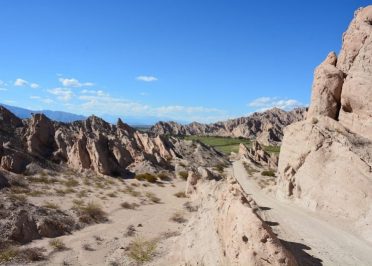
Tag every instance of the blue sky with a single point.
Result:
(184, 60)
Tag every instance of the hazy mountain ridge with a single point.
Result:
(267, 127)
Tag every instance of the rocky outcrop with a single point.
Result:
(258, 156)
(23, 222)
(266, 127)
(226, 230)
(326, 95)
(93, 144)
(326, 161)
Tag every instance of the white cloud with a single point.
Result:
(264, 103)
(144, 94)
(20, 82)
(147, 78)
(94, 92)
(47, 101)
(34, 85)
(74, 83)
(108, 105)
(3, 89)
(33, 97)
(62, 93)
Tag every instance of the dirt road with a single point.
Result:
(312, 239)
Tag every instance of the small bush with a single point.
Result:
(51, 205)
(151, 196)
(141, 250)
(131, 231)
(57, 244)
(32, 254)
(71, 183)
(183, 175)
(92, 212)
(8, 254)
(314, 120)
(87, 247)
(189, 207)
(130, 206)
(164, 177)
(147, 177)
(220, 167)
(180, 194)
(112, 195)
(18, 198)
(268, 173)
(178, 218)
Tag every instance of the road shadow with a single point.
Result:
(299, 252)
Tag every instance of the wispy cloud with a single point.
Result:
(34, 85)
(72, 82)
(3, 89)
(63, 94)
(264, 103)
(24, 83)
(20, 82)
(147, 78)
(94, 92)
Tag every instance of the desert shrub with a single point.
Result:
(189, 207)
(31, 254)
(131, 191)
(71, 183)
(220, 167)
(130, 206)
(178, 218)
(268, 173)
(87, 247)
(42, 179)
(57, 244)
(82, 194)
(112, 195)
(147, 177)
(18, 198)
(51, 205)
(183, 175)
(8, 254)
(142, 250)
(92, 212)
(180, 194)
(131, 231)
(151, 196)
(163, 177)
(314, 120)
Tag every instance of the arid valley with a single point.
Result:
(278, 186)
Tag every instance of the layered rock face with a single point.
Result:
(93, 144)
(226, 230)
(326, 161)
(266, 127)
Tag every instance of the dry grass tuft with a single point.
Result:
(142, 250)
(152, 197)
(57, 245)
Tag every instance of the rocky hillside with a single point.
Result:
(267, 127)
(92, 144)
(326, 161)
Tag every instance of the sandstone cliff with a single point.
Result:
(267, 127)
(326, 161)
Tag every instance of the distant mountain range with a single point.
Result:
(54, 115)
(138, 122)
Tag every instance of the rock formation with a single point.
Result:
(326, 161)
(92, 144)
(226, 230)
(258, 156)
(266, 127)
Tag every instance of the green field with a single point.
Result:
(227, 145)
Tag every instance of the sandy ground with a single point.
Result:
(106, 243)
(315, 239)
